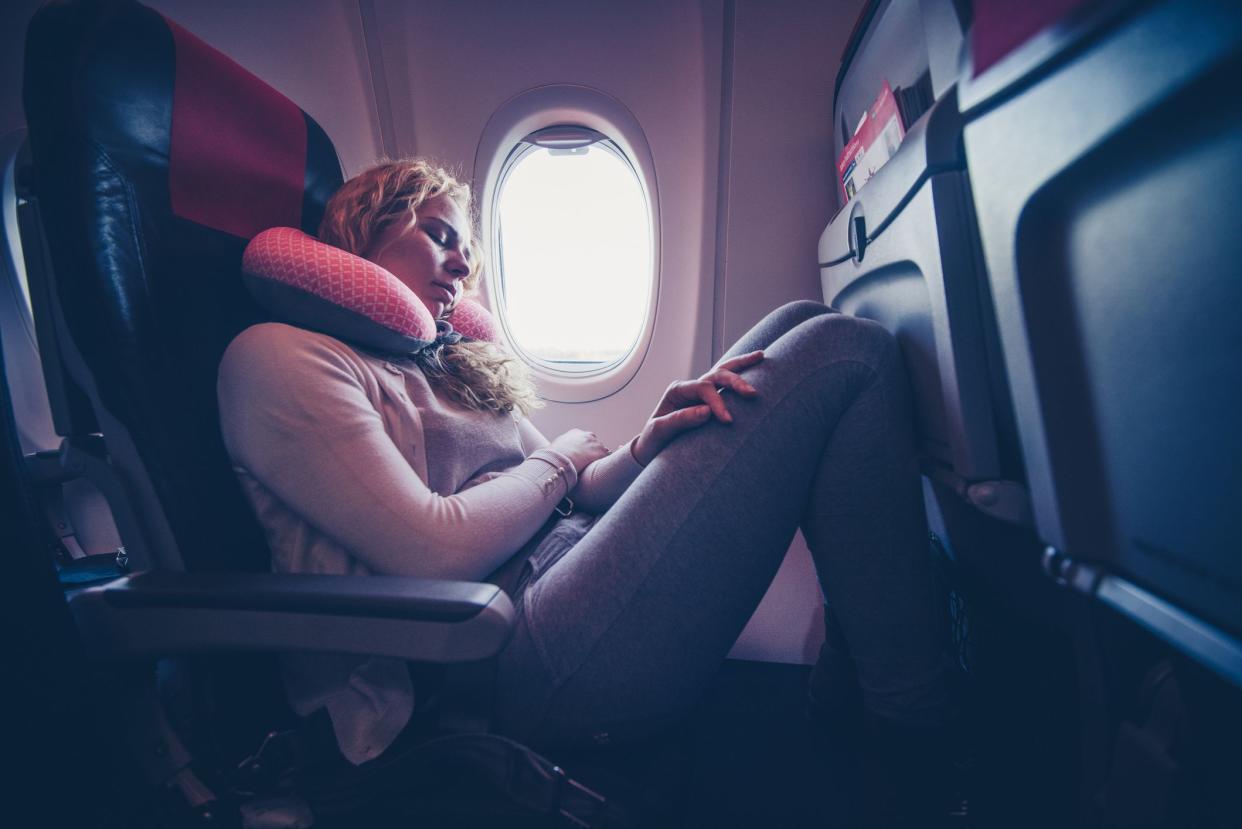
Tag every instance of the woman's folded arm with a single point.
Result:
(602, 482)
(296, 416)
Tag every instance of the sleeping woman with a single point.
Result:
(632, 568)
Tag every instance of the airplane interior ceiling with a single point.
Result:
(734, 98)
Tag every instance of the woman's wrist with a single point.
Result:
(562, 474)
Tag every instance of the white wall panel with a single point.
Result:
(781, 189)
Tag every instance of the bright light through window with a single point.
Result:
(575, 255)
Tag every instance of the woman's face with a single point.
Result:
(433, 257)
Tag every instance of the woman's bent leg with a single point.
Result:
(775, 325)
(626, 630)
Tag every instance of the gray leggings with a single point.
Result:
(623, 630)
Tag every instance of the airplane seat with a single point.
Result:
(1105, 154)
(76, 517)
(186, 157)
(153, 159)
(1104, 143)
(904, 250)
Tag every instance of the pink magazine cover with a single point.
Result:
(875, 141)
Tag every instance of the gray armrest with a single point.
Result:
(166, 613)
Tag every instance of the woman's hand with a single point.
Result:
(691, 403)
(582, 448)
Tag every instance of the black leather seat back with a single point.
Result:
(156, 158)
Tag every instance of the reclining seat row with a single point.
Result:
(1054, 245)
(1102, 162)
(1104, 145)
(1104, 142)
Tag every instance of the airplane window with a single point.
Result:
(574, 251)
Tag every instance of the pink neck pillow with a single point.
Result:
(311, 285)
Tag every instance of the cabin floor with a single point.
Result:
(748, 757)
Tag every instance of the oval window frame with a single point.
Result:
(579, 108)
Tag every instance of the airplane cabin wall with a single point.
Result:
(734, 97)
(779, 183)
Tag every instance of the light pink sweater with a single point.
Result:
(354, 464)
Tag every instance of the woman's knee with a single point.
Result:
(836, 337)
(775, 325)
(792, 314)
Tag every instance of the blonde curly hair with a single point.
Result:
(478, 375)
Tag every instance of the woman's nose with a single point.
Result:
(458, 265)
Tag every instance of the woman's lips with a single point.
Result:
(447, 292)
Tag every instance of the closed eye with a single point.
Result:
(445, 236)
